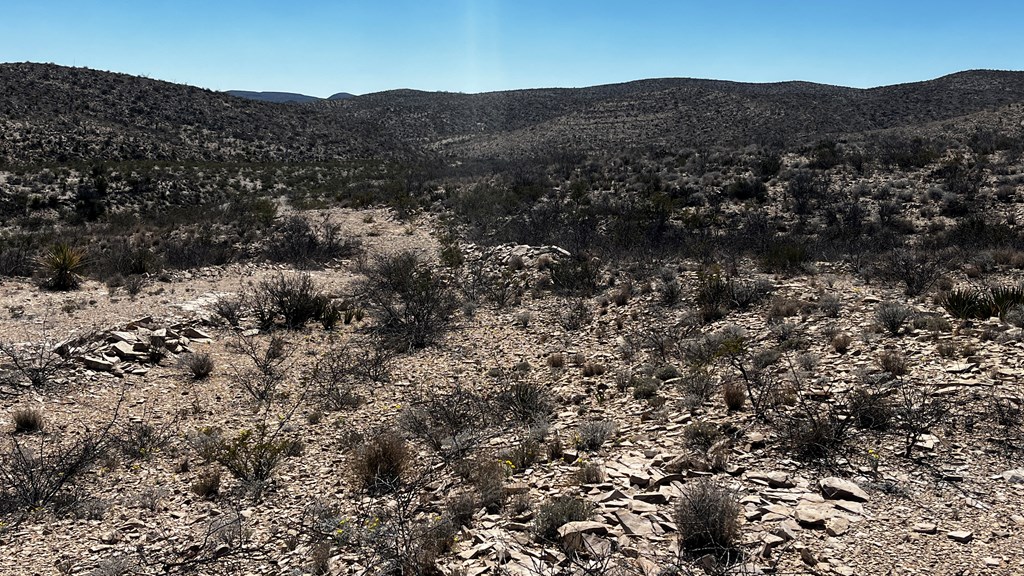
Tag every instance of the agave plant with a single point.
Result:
(1006, 297)
(967, 303)
(63, 266)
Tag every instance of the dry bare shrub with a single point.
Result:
(556, 360)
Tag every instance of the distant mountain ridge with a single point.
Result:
(285, 97)
(55, 113)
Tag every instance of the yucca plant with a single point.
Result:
(63, 266)
(1006, 297)
(967, 303)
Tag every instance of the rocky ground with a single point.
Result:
(954, 506)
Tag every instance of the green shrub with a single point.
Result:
(253, 454)
(413, 305)
(63, 265)
(892, 316)
(966, 303)
(296, 299)
(553, 514)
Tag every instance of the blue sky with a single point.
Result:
(321, 47)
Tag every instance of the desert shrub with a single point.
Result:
(62, 265)
(253, 454)
(713, 295)
(891, 316)
(27, 420)
(413, 305)
(555, 513)
(697, 386)
(590, 473)
(381, 461)
(199, 365)
(815, 431)
(335, 380)
(746, 189)
(488, 478)
(575, 315)
(830, 305)
(207, 484)
(522, 454)
(702, 436)
(575, 275)
(296, 299)
(1004, 298)
(645, 388)
(743, 295)
(48, 473)
(525, 401)
(593, 369)
(298, 242)
(784, 255)
(670, 292)
(869, 409)
(451, 423)
(593, 434)
(230, 309)
(918, 270)
(707, 517)
(141, 439)
(966, 303)
(841, 343)
(268, 367)
(556, 360)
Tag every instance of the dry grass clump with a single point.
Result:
(380, 462)
(707, 516)
(199, 365)
(27, 420)
(556, 360)
(735, 395)
(592, 435)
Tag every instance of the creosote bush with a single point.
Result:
(293, 299)
(412, 303)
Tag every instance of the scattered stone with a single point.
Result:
(1015, 476)
(835, 488)
(925, 528)
(811, 517)
(837, 526)
(961, 536)
(992, 562)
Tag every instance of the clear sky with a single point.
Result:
(320, 47)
